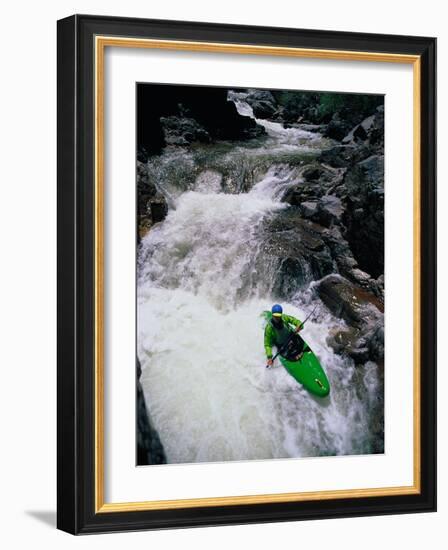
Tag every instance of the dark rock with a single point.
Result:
(291, 219)
(260, 95)
(319, 173)
(342, 156)
(329, 210)
(349, 302)
(308, 209)
(326, 211)
(360, 131)
(359, 354)
(364, 213)
(263, 109)
(263, 103)
(358, 213)
(149, 447)
(380, 281)
(347, 266)
(374, 170)
(299, 251)
(297, 195)
(208, 106)
(363, 340)
(314, 181)
(359, 276)
(376, 131)
(341, 340)
(151, 205)
(362, 345)
(368, 123)
(312, 173)
(183, 131)
(340, 249)
(337, 128)
(370, 132)
(158, 209)
(338, 156)
(376, 342)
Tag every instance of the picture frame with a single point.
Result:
(82, 42)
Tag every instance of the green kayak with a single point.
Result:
(307, 370)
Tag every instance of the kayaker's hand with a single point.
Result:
(299, 328)
(270, 363)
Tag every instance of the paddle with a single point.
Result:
(286, 344)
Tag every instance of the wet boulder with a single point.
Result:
(376, 131)
(360, 276)
(158, 209)
(360, 131)
(183, 131)
(329, 210)
(346, 300)
(263, 103)
(299, 250)
(316, 173)
(364, 213)
(337, 128)
(359, 354)
(309, 209)
(375, 342)
(342, 339)
(340, 249)
(313, 181)
(326, 211)
(363, 338)
(352, 342)
(369, 132)
(339, 156)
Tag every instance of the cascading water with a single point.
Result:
(286, 137)
(204, 277)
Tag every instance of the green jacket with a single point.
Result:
(274, 337)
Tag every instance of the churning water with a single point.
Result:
(204, 279)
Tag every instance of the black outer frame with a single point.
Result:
(75, 172)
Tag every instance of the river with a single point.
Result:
(204, 278)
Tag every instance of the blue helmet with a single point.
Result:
(277, 310)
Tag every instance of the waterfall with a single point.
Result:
(287, 137)
(204, 277)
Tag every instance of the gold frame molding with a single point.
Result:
(101, 42)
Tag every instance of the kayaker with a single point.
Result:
(278, 330)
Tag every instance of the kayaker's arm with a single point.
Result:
(293, 321)
(268, 341)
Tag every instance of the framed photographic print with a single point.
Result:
(246, 274)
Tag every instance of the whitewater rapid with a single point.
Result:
(204, 279)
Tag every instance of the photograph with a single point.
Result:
(260, 274)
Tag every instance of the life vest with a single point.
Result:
(281, 335)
